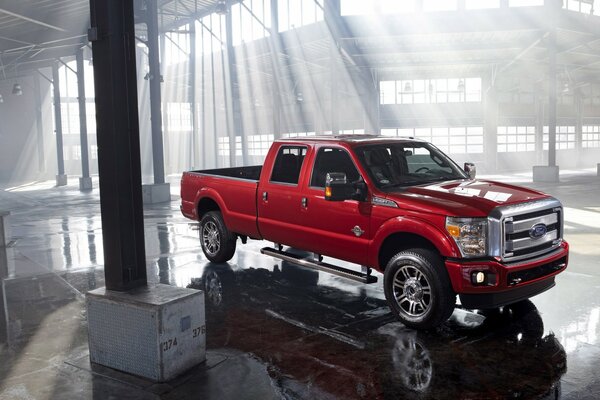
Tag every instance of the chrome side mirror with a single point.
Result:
(471, 170)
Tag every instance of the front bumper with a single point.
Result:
(513, 282)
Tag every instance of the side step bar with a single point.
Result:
(319, 265)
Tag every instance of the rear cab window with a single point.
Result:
(288, 164)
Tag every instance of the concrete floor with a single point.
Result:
(277, 331)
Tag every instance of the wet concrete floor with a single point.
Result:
(278, 331)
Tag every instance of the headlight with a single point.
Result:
(469, 234)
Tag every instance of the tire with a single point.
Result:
(218, 244)
(418, 289)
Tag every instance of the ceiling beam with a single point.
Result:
(32, 20)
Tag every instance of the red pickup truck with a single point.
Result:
(399, 206)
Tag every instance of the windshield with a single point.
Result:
(406, 164)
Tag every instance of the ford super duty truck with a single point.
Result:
(399, 206)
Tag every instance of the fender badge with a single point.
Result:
(357, 231)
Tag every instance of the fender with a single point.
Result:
(417, 226)
(210, 193)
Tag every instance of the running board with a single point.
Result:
(318, 265)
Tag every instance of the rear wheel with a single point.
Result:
(418, 289)
(218, 244)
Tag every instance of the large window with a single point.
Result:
(251, 20)
(516, 138)
(479, 4)
(440, 5)
(297, 13)
(211, 30)
(451, 140)
(297, 134)
(223, 146)
(525, 3)
(258, 145)
(419, 91)
(177, 46)
(565, 137)
(363, 7)
(582, 6)
(591, 136)
(179, 117)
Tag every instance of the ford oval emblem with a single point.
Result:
(537, 231)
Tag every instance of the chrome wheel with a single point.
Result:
(412, 291)
(211, 238)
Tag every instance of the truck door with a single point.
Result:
(280, 197)
(340, 229)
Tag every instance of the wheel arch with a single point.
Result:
(402, 233)
(400, 241)
(208, 199)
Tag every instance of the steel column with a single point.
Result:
(552, 103)
(578, 98)
(60, 158)
(155, 96)
(238, 124)
(192, 97)
(85, 163)
(39, 123)
(332, 16)
(276, 46)
(113, 46)
(490, 124)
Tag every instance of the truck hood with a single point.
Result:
(462, 198)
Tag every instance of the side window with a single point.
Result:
(288, 164)
(332, 160)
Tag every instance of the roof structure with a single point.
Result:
(34, 33)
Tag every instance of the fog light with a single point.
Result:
(478, 277)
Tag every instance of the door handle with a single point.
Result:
(265, 196)
(304, 202)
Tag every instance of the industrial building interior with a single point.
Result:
(510, 85)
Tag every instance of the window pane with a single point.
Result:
(288, 164)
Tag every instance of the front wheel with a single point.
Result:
(218, 244)
(418, 289)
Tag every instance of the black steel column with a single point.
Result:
(85, 163)
(113, 46)
(60, 158)
(155, 96)
(39, 123)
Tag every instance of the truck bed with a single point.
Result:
(234, 190)
(251, 173)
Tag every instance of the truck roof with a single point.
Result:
(351, 139)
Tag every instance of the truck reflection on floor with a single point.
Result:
(323, 342)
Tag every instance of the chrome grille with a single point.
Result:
(514, 226)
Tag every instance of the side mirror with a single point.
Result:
(337, 188)
(471, 170)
